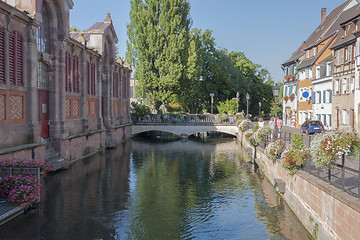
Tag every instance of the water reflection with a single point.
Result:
(147, 190)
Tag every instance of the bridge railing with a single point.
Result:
(184, 118)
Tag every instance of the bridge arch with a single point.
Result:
(184, 130)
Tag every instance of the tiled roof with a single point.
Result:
(99, 26)
(345, 17)
(75, 35)
(327, 59)
(294, 56)
(307, 62)
(326, 28)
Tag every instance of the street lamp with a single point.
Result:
(237, 102)
(259, 109)
(212, 102)
(276, 91)
(247, 104)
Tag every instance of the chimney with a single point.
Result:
(323, 14)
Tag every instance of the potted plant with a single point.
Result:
(327, 147)
(294, 155)
(274, 149)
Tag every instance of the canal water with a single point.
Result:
(145, 189)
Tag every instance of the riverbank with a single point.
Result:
(325, 211)
(8, 212)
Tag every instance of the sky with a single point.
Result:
(267, 31)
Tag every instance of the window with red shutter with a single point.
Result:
(15, 59)
(93, 81)
(76, 74)
(88, 77)
(12, 56)
(124, 87)
(19, 59)
(115, 85)
(2, 55)
(68, 72)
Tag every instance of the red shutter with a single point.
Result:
(124, 87)
(68, 72)
(93, 79)
(88, 77)
(2, 55)
(12, 58)
(75, 74)
(19, 59)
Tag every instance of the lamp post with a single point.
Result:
(276, 91)
(237, 102)
(259, 109)
(212, 102)
(247, 104)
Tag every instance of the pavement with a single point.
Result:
(8, 212)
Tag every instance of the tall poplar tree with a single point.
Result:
(159, 48)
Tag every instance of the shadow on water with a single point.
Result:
(155, 189)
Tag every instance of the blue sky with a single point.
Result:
(267, 31)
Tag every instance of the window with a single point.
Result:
(291, 69)
(76, 74)
(285, 91)
(314, 51)
(310, 73)
(330, 95)
(124, 87)
(319, 96)
(307, 53)
(329, 117)
(15, 58)
(345, 117)
(42, 81)
(336, 86)
(68, 72)
(328, 69)
(343, 86)
(352, 85)
(324, 119)
(2, 55)
(115, 85)
(317, 71)
(324, 96)
(91, 78)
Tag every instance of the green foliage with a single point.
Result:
(177, 65)
(294, 154)
(220, 117)
(160, 50)
(174, 108)
(228, 106)
(138, 109)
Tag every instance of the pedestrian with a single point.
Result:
(279, 125)
(272, 126)
(261, 122)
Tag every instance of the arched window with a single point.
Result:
(43, 33)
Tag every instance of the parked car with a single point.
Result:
(312, 126)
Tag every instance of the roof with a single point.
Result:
(307, 62)
(76, 35)
(294, 56)
(99, 27)
(346, 16)
(326, 29)
(327, 59)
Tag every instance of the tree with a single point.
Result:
(160, 49)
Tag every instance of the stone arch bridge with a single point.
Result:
(185, 129)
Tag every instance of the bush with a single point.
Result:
(228, 107)
(174, 108)
(139, 110)
(273, 149)
(220, 117)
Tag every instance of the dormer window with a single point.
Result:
(307, 53)
(314, 51)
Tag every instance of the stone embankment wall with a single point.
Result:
(325, 211)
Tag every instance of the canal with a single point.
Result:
(147, 189)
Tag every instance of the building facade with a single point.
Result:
(59, 91)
